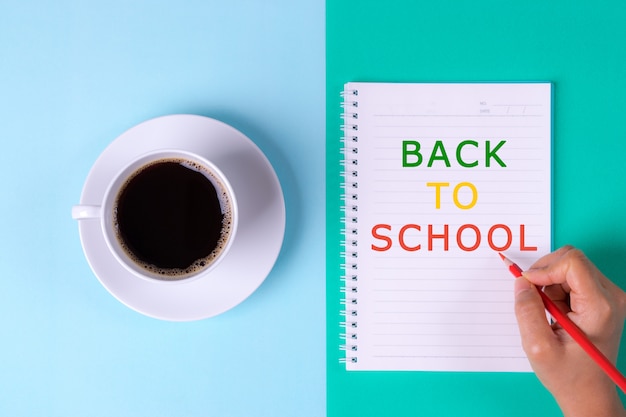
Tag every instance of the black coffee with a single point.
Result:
(173, 217)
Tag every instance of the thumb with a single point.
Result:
(538, 339)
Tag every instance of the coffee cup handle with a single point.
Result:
(81, 212)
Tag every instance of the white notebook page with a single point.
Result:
(427, 298)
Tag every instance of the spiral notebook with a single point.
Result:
(437, 179)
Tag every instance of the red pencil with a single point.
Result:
(573, 331)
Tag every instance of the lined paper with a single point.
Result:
(444, 302)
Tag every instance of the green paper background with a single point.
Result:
(581, 48)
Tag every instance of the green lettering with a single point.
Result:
(443, 157)
(458, 153)
(413, 151)
(492, 154)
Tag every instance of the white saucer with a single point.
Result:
(261, 219)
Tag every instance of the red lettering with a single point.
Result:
(376, 235)
(443, 236)
(509, 236)
(469, 237)
(459, 241)
(522, 240)
(403, 245)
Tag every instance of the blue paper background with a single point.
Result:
(73, 76)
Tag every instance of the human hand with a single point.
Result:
(596, 306)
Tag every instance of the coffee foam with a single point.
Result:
(174, 274)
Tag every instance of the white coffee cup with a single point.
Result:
(257, 208)
(132, 254)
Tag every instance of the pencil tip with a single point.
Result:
(502, 256)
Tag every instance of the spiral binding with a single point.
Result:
(349, 201)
